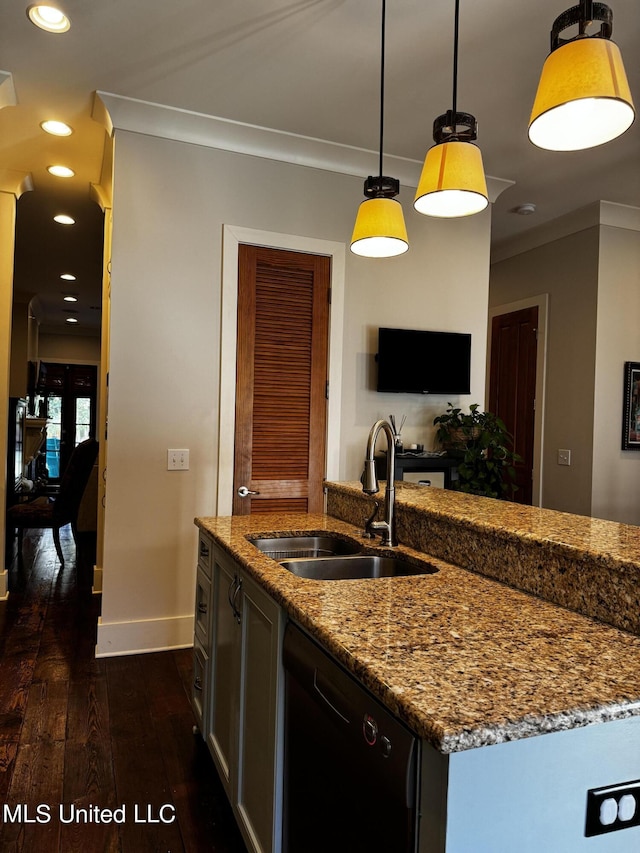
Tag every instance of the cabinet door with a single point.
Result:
(258, 795)
(202, 635)
(205, 552)
(202, 623)
(223, 680)
(199, 688)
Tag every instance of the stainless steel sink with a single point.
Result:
(355, 566)
(290, 547)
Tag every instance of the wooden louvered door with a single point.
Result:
(282, 353)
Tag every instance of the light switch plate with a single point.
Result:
(564, 457)
(177, 460)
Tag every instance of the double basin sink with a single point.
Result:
(326, 556)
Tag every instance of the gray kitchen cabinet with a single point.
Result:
(202, 635)
(224, 671)
(200, 683)
(260, 722)
(243, 706)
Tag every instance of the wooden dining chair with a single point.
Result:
(57, 512)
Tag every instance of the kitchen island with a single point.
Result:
(478, 669)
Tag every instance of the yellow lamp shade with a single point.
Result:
(379, 231)
(452, 182)
(583, 97)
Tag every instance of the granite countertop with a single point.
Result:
(584, 564)
(609, 542)
(464, 660)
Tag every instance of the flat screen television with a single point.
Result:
(413, 361)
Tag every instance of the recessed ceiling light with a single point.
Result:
(72, 320)
(67, 276)
(48, 18)
(60, 171)
(70, 298)
(63, 219)
(56, 128)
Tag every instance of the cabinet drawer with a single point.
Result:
(199, 685)
(203, 609)
(205, 552)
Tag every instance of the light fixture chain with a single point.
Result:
(456, 27)
(382, 53)
(379, 230)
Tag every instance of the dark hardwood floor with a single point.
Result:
(79, 736)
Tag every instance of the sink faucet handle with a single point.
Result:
(367, 532)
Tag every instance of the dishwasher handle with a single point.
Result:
(323, 687)
(318, 675)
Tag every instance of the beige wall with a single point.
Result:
(592, 273)
(566, 269)
(423, 289)
(78, 349)
(170, 203)
(616, 473)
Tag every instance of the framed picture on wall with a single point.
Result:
(631, 406)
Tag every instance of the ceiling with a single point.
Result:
(309, 67)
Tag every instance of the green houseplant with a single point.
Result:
(484, 446)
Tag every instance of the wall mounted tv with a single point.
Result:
(412, 361)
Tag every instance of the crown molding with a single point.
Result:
(15, 182)
(591, 215)
(7, 90)
(116, 112)
(620, 215)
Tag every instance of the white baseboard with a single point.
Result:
(4, 585)
(148, 635)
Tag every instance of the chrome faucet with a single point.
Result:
(370, 482)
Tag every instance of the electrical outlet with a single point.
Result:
(177, 460)
(564, 457)
(611, 808)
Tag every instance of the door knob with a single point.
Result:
(244, 492)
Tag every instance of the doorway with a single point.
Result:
(516, 371)
(233, 237)
(68, 393)
(56, 319)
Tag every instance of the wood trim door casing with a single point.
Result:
(232, 237)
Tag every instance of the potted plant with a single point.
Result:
(484, 447)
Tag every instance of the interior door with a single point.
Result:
(512, 387)
(281, 381)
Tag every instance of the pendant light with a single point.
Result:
(452, 182)
(379, 231)
(583, 97)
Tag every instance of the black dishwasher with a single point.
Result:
(350, 765)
